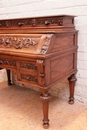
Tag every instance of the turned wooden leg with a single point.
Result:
(8, 76)
(72, 79)
(45, 101)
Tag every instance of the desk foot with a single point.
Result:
(9, 84)
(71, 101)
(45, 101)
(8, 76)
(45, 124)
(72, 79)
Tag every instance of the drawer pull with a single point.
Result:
(42, 75)
(20, 24)
(47, 22)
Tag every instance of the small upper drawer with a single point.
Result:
(7, 63)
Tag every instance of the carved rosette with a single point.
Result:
(47, 40)
(28, 66)
(7, 62)
(60, 21)
(34, 22)
(17, 42)
(29, 77)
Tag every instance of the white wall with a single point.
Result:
(3, 76)
(30, 8)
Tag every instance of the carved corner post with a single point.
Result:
(44, 96)
(9, 78)
(72, 79)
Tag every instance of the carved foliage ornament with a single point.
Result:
(47, 40)
(7, 62)
(32, 22)
(28, 66)
(41, 74)
(17, 42)
(60, 21)
(29, 77)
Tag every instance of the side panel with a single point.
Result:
(64, 61)
(61, 67)
(63, 42)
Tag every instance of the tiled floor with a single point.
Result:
(21, 109)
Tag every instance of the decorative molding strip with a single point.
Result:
(7, 62)
(28, 66)
(16, 42)
(29, 77)
(32, 22)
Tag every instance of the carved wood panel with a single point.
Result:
(29, 77)
(45, 46)
(32, 22)
(18, 42)
(28, 65)
(8, 62)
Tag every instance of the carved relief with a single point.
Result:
(8, 23)
(29, 77)
(12, 23)
(28, 66)
(41, 74)
(32, 22)
(46, 44)
(6, 62)
(60, 21)
(47, 22)
(17, 42)
(44, 49)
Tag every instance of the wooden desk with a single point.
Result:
(41, 51)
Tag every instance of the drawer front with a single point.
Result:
(32, 72)
(27, 72)
(27, 65)
(7, 63)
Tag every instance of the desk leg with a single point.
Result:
(8, 76)
(45, 101)
(72, 79)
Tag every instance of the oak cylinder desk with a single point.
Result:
(40, 51)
